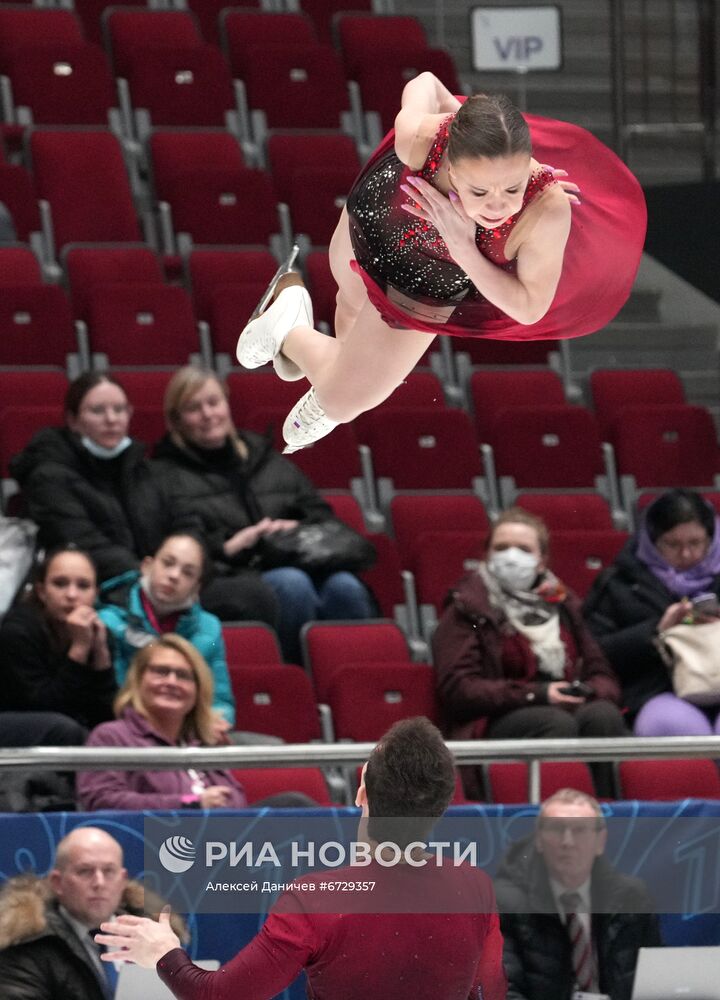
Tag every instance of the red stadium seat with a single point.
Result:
(33, 388)
(188, 86)
(250, 391)
(367, 38)
(367, 698)
(87, 267)
(329, 646)
(142, 324)
(323, 12)
(578, 556)
(412, 515)
(62, 84)
(19, 266)
(296, 86)
(35, 326)
(18, 195)
(481, 351)
(439, 559)
(82, 174)
(509, 782)
(132, 31)
(568, 511)
(145, 389)
(547, 446)
(382, 83)
(666, 445)
(213, 197)
(244, 31)
(313, 176)
(428, 448)
(669, 780)
(614, 389)
(226, 287)
(251, 643)
(261, 782)
(330, 464)
(495, 391)
(19, 424)
(26, 27)
(418, 390)
(91, 13)
(276, 701)
(207, 13)
(344, 506)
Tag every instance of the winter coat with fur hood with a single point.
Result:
(41, 956)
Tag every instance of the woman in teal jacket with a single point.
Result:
(162, 598)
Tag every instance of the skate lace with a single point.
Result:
(310, 410)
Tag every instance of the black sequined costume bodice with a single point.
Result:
(394, 248)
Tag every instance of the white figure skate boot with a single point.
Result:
(284, 305)
(305, 423)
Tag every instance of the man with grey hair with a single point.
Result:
(47, 950)
(571, 922)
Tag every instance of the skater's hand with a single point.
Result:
(138, 939)
(447, 215)
(571, 190)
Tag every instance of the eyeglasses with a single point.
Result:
(162, 673)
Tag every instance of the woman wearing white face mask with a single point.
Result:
(89, 484)
(511, 642)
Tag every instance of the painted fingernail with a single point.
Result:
(413, 180)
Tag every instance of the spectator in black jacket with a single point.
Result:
(674, 557)
(54, 655)
(89, 484)
(556, 889)
(234, 489)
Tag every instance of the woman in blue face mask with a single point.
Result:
(510, 644)
(89, 484)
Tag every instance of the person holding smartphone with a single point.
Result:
(514, 658)
(668, 573)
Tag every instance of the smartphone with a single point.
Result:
(706, 604)
(578, 689)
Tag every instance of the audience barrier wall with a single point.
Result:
(29, 840)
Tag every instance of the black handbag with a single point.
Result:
(317, 547)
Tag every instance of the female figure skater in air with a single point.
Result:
(454, 227)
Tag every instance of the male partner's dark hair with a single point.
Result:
(488, 126)
(82, 385)
(410, 774)
(678, 507)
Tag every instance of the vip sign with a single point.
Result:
(516, 38)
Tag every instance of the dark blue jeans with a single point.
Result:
(300, 600)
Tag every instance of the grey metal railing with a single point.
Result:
(532, 752)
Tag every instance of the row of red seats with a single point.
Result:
(435, 447)
(200, 186)
(177, 78)
(363, 672)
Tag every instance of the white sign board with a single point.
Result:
(516, 38)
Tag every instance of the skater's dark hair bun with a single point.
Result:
(488, 125)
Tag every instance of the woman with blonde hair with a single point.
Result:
(234, 490)
(166, 700)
